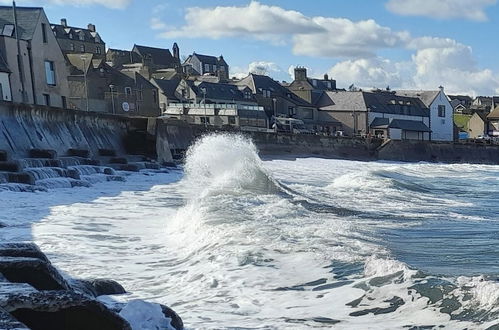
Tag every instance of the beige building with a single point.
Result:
(41, 76)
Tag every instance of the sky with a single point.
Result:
(403, 44)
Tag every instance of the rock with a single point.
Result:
(152, 166)
(94, 162)
(29, 250)
(62, 310)
(107, 152)
(176, 322)
(118, 160)
(79, 153)
(8, 322)
(80, 183)
(3, 156)
(98, 287)
(24, 177)
(53, 163)
(170, 164)
(74, 174)
(43, 153)
(38, 273)
(10, 166)
(116, 178)
(125, 167)
(109, 171)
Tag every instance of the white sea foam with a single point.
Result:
(280, 244)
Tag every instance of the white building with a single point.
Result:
(441, 112)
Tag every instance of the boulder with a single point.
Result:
(118, 160)
(24, 177)
(29, 250)
(98, 287)
(10, 166)
(8, 322)
(79, 153)
(62, 310)
(176, 322)
(38, 273)
(43, 153)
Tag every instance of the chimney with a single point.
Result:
(300, 74)
(326, 77)
(91, 27)
(441, 88)
(64, 22)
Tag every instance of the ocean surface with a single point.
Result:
(232, 241)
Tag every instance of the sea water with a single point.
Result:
(236, 242)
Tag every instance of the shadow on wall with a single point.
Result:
(26, 127)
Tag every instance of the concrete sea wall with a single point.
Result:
(25, 127)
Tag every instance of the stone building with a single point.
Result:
(96, 86)
(74, 40)
(281, 102)
(377, 113)
(310, 89)
(198, 65)
(40, 77)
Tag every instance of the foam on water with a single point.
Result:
(241, 243)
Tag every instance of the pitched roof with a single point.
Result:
(168, 86)
(208, 59)
(388, 102)
(342, 101)
(426, 96)
(27, 19)
(409, 125)
(159, 56)
(494, 114)
(63, 32)
(220, 91)
(261, 82)
(381, 123)
(380, 101)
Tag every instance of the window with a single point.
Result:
(140, 95)
(64, 102)
(232, 120)
(128, 91)
(98, 50)
(8, 30)
(72, 47)
(46, 98)
(266, 93)
(154, 96)
(206, 68)
(441, 110)
(247, 95)
(70, 36)
(205, 120)
(222, 68)
(214, 68)
(50, 73)
(44, 33)
(291, 111)
(82, 36)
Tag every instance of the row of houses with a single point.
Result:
(59, 65)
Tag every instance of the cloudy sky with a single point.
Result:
(417, 44)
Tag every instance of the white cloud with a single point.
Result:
(452, 67)
(157, 24)
(260, 67)
(442, 9)
(342, 37)
(255, 20)
(311, 36)
(113, 4)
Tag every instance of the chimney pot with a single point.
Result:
(64, 22)
(91, 27)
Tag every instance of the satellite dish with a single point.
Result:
(125, 106)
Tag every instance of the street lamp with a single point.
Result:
(111, 87)
(274, 101)
(85, 78)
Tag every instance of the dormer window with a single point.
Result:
(71, 36)
(247, 94)
(266, 93)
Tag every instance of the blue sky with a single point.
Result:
(410, 44)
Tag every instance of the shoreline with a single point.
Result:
(34, 294)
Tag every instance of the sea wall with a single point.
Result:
(26, 127)
(419, 151)
(176, 136)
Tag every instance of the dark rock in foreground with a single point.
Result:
(34, 295)
(59, 310)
